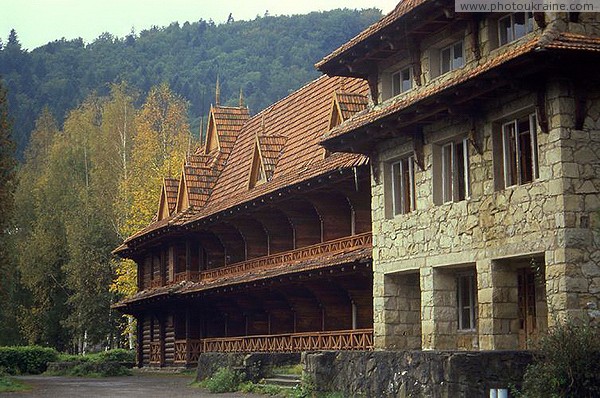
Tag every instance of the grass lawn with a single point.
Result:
(8, 384)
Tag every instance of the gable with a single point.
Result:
(212, 137)
(183, 201)
(257, 170)
(168, 198)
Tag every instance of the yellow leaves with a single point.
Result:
(125, 281)
(162, 138)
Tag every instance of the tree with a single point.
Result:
(8, 271)
(41, 238)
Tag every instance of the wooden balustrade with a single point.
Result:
(360, 339)
(155, 353)
(309, 252)
(340, 245)
(187, 351)
(187, 276)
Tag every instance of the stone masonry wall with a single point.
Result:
(414, 373)
(553, 218)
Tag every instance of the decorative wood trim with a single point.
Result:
(341, 340)
(540, 109)
(309, 252)
(418, 148)
(414, 55)
(540, 19)
(373, 81)
(474, 27)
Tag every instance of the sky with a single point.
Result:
(38, 22)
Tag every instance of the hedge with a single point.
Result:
(26, 359)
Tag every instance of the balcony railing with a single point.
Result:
(187, 351)
(336, 246)
(360, 339)
(309, 252)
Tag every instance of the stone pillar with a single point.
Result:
(398, 312)
(427, 309)
(573, 268)
(485, 293)
(505, 309)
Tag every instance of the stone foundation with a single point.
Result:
(415, 373)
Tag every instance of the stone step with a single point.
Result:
(281, 380)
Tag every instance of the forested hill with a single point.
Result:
(267, 58)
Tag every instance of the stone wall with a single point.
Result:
(415, 373)
(552, 220)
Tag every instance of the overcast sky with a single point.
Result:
(40, 21)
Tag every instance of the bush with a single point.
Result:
(223, 380)
(27, 359)
(567, 365)
(117, 355)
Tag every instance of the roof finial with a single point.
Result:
(217, 92)
(241, 98)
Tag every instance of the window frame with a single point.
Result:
(512, 151)
(451, 178)
(471, 306)
(400, 73)
(512, 36)
(400, 192)
(451, 49)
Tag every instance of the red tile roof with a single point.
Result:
(171, 185)
(288, 131)
(351, 103)
(566, 41)
(401, 9)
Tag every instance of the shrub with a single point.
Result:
(567, 365)
(223, 380)
(27, 359)
(117, 355)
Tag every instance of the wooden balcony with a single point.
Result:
(187, 276)
(308, 252)
(187, 351)
(360, 339)
(260, 263)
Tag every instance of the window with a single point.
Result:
(451, 57)
(519, 151)
(514, 26)
(403, 185)
(401, 81)
(466, 294)
(455, 171)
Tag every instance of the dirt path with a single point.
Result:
(141, 385)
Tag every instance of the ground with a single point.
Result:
(140, 385)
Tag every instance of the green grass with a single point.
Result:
(288, 370)
(8, 384)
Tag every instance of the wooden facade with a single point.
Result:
(265, 242)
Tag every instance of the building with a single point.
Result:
(264, 242)
(484, 140)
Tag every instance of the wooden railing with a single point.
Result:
(155, 353)
(305, 253)
(331, 247)
(360, 339)
(187, 351)
(187, 276)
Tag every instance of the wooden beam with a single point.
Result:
(540, 109)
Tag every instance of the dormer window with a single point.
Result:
(257, 172)
(514, 26)
(401, 81)
(452, 57)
